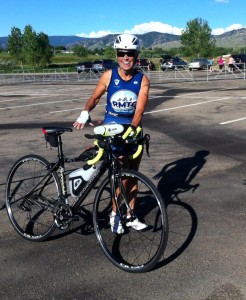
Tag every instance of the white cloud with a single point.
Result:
(137, 29)
(154, 26)
(94, 34)
(218, 31)
(158, 27)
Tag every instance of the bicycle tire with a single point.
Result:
(134, 251)
(32, 216)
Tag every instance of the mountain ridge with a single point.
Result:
(153, 39)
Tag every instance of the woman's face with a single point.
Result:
(126, 59)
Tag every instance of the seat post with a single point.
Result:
(60, 151)
(62, 169)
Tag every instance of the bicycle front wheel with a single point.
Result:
(135, 250)
(31, 193)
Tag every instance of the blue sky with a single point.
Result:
(96, 18)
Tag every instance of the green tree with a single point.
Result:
(30, 46)
(196, 39)
(109, 52)
(44, 51)
(15, 46)
(80, 51)
(158, 51)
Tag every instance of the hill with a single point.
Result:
(237, 38)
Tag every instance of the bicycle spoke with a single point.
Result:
(134, 250)
(30, 196)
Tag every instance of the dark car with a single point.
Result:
(240, 60)
(84, 66)
(173, 63)
(102, 65)
(144, 64)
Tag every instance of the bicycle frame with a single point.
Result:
(59, 166)
(128, 213)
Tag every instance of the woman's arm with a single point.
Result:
(142, 101)
(91, 103)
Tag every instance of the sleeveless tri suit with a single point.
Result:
(122, 98)
(121, 103)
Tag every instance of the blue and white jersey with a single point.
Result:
(122, 98)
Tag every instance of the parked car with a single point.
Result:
(144, 64)
(84, 66)
(173, 63)
(102, 65)
(240, 60)
(198, 64)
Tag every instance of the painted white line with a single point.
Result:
(182, 106)
(64, 110)
(232, 121)
(184, 97)
(22, 98)
(36, 104)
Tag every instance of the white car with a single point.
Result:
(198, 64)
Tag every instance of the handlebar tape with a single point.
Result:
(124, 137)
(137, 153)
(98, 157)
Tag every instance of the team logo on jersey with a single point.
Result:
(124, 101)
(135, 82)
(116, 81)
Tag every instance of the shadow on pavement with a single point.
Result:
(174, 179)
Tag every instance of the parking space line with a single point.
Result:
(18, 99)
(36, 104)
(64, 110)
(232, 121)
(188, 105)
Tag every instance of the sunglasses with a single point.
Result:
(128, 53)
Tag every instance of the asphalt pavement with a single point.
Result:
(197, 161)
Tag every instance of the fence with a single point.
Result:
(88, 74)
(55, 75)
(237, 71)
(176, 73)
(2, 77)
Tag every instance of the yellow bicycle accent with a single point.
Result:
(135, 134)
(98, 157)
(124, 137)
(137, 153)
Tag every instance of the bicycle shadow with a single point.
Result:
(174, 179)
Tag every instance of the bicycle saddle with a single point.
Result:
(56, 130)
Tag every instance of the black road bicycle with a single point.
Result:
(37, 199)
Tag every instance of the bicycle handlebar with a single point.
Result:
(98, 157)
(102, 141)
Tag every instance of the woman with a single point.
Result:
(231, 64)
(127, 96)
(221, 64)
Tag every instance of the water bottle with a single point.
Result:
(78, 179)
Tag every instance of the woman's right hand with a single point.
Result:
(82, 120)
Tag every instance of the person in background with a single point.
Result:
(221, 64)
(231, 64)
(127, 96)
(211, 62)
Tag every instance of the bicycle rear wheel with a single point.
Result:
(133, 251)
(31, 193)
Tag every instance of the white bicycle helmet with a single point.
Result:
(127, 41)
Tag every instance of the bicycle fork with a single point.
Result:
(120, 197)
